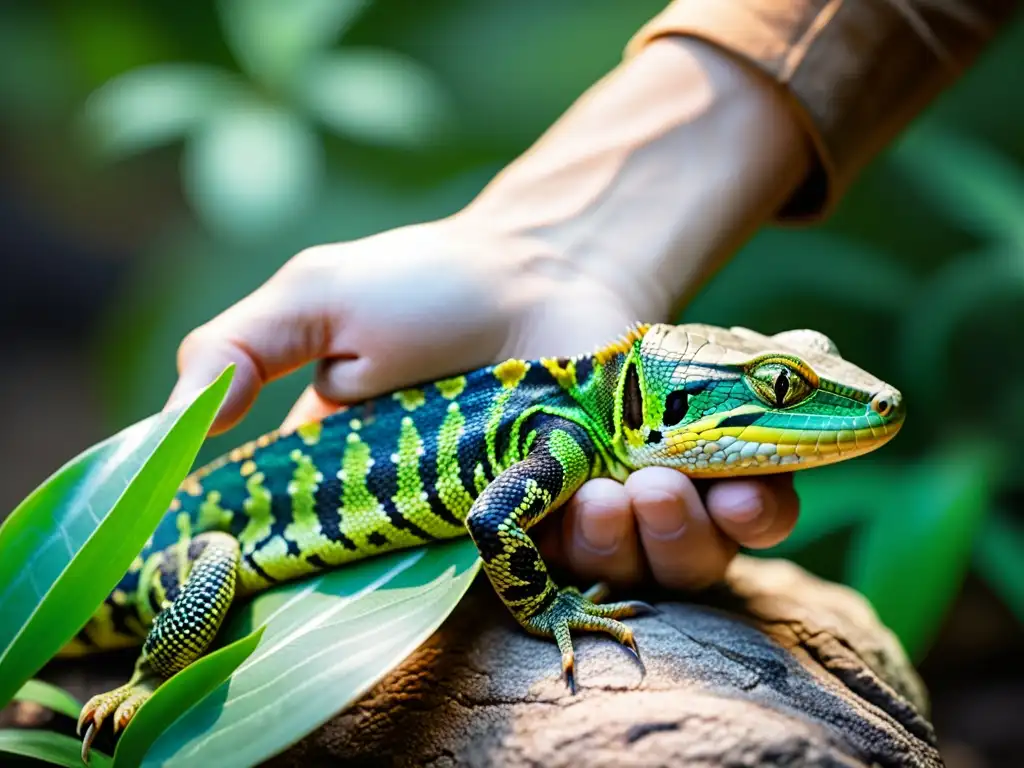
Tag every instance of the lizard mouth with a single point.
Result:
(765, 450)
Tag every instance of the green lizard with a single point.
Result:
(487, 454)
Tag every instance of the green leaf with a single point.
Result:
(49, 696)
(55, 748)
(327, 641)
(251, 170)
(837, 497)
(376, 96)
(999, 559)
(933, 312)
(911, 562)
(966, 181)
(857, 276)
(177, 696)
(155, 105)
(272, 40)
(69, 543)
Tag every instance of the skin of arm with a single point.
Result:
(617, 213)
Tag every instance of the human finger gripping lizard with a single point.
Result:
(488, 454)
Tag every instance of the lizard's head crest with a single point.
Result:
(705, 399)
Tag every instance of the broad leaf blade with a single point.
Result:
(54, 748)
(859, 277)
(967, 181)
(931, 314)
(327, 641)
(836, 497)
(177, 695)
(49, 696)
(66, 546)
(911, 561)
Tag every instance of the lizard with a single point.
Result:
(486, 454)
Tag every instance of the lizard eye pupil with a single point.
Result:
(781, 387)
(676, 406)
(632, 400)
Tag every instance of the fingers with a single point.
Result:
(599, 535)
(610, 530)
(684, 548)
(278, 328)
(310, 406)
(757, 513)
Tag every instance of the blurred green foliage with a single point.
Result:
(376, 114)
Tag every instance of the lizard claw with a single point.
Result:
(573, 610)
(93, 715)
(90, 734)
(121, 702)
(569, 671)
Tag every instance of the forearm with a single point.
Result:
(659, 171)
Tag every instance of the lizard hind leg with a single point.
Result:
(181, 632)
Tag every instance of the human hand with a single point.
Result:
(431, 300)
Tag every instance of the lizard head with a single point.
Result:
(706, 399)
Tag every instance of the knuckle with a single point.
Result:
(311, 260)
(305, 258)
(194, 340)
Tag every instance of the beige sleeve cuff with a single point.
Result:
(857, 70)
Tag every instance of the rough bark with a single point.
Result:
(777, 667)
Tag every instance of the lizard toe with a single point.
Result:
(119, 706)
(95, 713)
(572, 610)
(130, 706)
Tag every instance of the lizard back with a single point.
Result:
(392, 472)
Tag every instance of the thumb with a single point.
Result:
(286, 323)
(311, 406)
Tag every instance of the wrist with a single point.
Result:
(658, 172)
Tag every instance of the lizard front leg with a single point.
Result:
(180, 634)
(558, 463)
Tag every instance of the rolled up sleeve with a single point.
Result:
(857, 71)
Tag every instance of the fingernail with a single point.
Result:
(600, 533)
(746, 505)
(661, 515)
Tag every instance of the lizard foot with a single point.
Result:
(121, 702)
(572, 609)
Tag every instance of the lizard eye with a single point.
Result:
(778, 385)
(676, 406)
